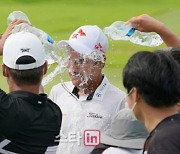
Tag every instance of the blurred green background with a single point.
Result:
(60, 18)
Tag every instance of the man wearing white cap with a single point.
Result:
(29, 121)
(88, 101)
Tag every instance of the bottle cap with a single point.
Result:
(17, 15)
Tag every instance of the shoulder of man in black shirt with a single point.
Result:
(165, 138)
(29, 121)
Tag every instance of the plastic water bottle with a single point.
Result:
(46, 39)
(120, 30)
(17, 15)
(52, 51)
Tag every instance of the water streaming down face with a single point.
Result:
(83, 68)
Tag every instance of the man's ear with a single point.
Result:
(104, 56)
(135, 94)
(103, 64)
(5, 71)
(99, 64)
(45, 68)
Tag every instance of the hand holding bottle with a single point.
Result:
(120, 30)
(8, 31)
(146, 23)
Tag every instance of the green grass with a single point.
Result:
(60, 18)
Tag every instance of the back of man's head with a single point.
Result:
(156, 75)
(175, 53)
(24, 58)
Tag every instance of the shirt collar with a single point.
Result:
(98, 94)
(38, 100)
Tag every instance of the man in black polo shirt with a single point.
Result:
(29, 121)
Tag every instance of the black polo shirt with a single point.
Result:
(29, 123)
(165, 138)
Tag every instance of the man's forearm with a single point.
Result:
(169, 38)
(8, 32)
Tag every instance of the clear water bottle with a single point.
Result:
(17, 15)
(120, 30)
(46, 39)
(52, 51)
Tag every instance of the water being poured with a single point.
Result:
(58, 56)
(53, 53)
(46, 40)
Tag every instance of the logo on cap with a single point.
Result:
(25, 50)
(80, 32)
(99, 47)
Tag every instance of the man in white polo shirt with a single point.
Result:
(88, 101)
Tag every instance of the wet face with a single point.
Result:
(82, 70)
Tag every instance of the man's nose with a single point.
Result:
(74, 65)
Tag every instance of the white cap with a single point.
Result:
(23, 51)
(87, 39)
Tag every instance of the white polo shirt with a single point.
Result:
(85, 116)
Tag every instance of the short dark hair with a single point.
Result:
(156, 75)
(26, 77)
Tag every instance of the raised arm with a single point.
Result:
(4, 36)
(146, 23)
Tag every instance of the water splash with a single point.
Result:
(58, 57)
(53, 53)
